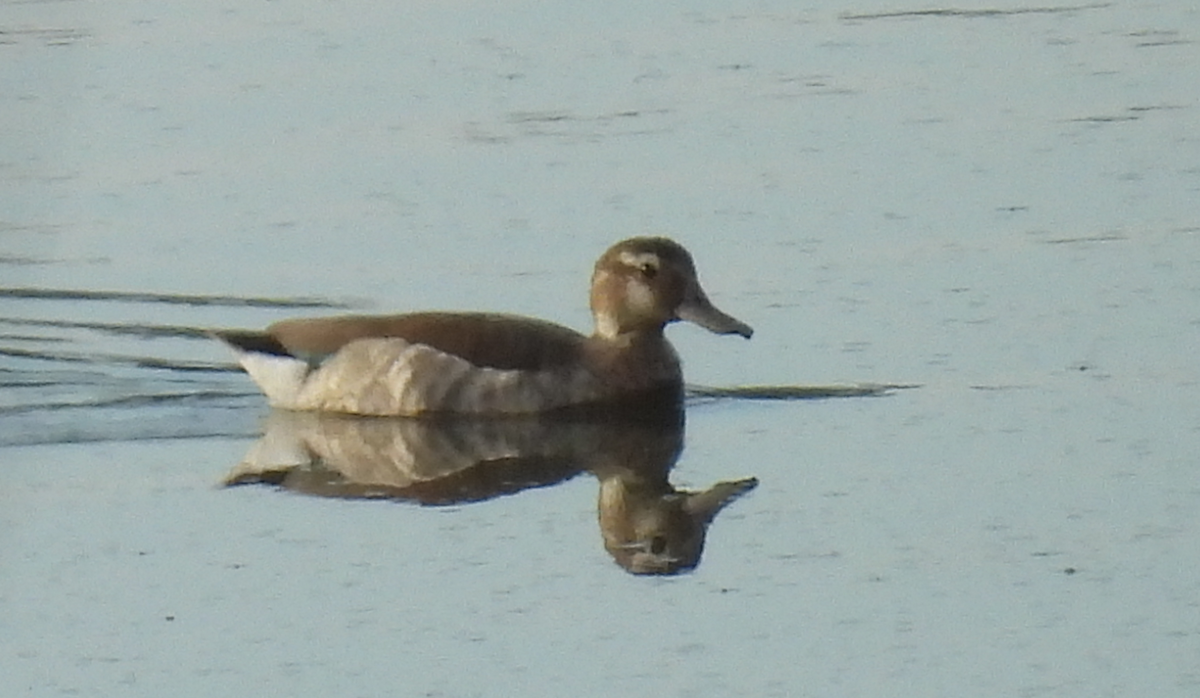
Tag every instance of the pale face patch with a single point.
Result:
(639, 298)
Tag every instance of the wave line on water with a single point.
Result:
(971, 14)
(119, 360)
(798, 392)
(102, 436)
(33, 293)
(131, 401)
(148, 331)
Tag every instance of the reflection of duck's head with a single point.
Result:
(651, 528)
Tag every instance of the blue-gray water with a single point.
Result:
(997, 202)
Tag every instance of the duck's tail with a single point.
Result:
(277, 371)
(249, 341)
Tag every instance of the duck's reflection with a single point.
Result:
(649, 527)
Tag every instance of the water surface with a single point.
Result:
(994, 202)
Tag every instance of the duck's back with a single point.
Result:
(485, 340)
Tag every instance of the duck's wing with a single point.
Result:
(487, 340)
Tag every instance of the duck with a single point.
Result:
(493, 364)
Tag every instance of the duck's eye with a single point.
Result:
(644, 264)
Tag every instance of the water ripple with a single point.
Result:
(167, 298)
(66, 377)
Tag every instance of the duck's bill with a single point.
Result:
(700, 311)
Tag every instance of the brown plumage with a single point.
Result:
(490, 362)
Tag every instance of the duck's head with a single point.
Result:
(641, 284)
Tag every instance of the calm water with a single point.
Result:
(999, 203)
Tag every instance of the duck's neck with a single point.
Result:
(635, 360)
(611, 327)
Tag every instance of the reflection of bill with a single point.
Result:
(648, 526)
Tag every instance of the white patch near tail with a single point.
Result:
(279, 377)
